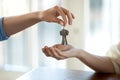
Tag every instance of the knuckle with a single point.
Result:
(56, 7)
(67, 11)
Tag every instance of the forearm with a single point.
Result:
(15, 24)
(97, 63)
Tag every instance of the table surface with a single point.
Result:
(44, 73)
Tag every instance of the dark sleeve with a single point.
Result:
(3, 35)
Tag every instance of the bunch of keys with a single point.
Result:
(64, 33)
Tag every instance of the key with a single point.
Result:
(64, 33)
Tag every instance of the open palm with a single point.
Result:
(59, 51)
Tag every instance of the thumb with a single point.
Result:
(59, 21)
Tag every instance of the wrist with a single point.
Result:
(79, 53)
(76, 52)
(39, 16)
(36, 16)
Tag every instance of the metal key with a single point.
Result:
(64, 33)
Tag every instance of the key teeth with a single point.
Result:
(64, 43)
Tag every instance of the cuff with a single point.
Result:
(3, 35)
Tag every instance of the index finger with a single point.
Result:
(62, 14)
(69, 15)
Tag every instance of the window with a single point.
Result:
(102, 25)
(13, 49)
(23, 50)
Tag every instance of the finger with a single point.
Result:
(48, 51)
(55, 54)
(59, 21)
(62, 14)
(69, 18)
(69, 15)
(73, 16)
(44, 51)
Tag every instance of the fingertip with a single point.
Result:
(64, 24)
(73, 16)
(42, 49)
(70, 23)
(61, 23)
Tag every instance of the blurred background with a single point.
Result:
(95, 29)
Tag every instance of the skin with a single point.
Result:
(98, 63)
(14, 24)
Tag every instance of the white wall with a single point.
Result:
(76, 36)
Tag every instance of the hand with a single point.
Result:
(52, 14)
(60, 51)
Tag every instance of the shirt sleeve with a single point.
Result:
(3, 35)
(114, 54)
